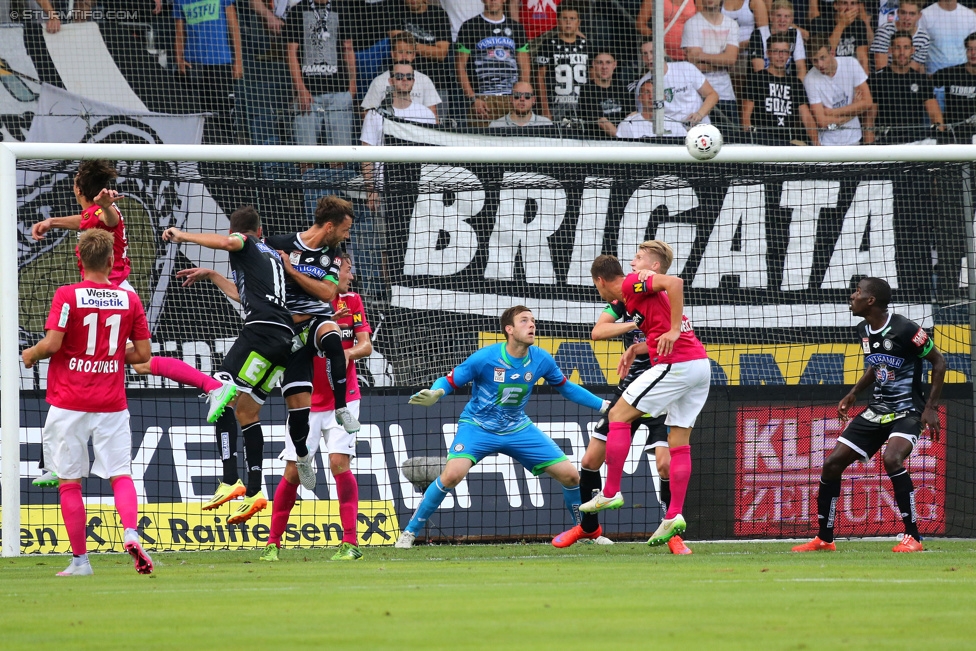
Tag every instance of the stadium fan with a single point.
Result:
(909, 13)
(493, 46)
(615, 322)
(98, 211)
(677, 382)
(676, 14)
(605, 100)
(774, 100)
(403, 49)
(898, 413)
(690, 101)
(780, 22)
(341, 445)
(711, 42)
(905, 103)
(86, 391)
(562, 61)
(521, 115)
(256, 360)
(848, 34)
(494, 419)
(838, 92)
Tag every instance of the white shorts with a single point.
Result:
(65, 439)
(322, 426)
(680, 390)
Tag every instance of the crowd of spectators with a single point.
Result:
(327, 71)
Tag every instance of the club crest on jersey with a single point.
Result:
(499, 375)
(459, 447)
(325, 260)
(920, 338)
(528, 376)
(294, 257)
(887, 344)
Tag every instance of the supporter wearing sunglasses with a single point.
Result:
(521, 115)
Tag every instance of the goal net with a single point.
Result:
(769, 253)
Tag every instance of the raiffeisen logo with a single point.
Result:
(102, 299)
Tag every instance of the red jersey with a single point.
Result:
(537, 16)
(88, 372)
(352, 323)
(651, 312)
(91, 218)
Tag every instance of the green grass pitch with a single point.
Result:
(725, 596)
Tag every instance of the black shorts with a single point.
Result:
(256, 361)
(300, 367)
(657, 431)
(866, 436)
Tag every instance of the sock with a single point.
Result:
(40, 462)
(665, 498)
(827, 508)
(179, 371)
(226, 430)
(905, 498)
(571, 496)
(331, 345)
(618, 445)
(297, 425)
(126, 502)
(73, 514)
(679, 477)
(433, 497)
(590, 482)
(253, 457)
(284, 500)
(348, 491)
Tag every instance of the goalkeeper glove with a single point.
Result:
(426, 397)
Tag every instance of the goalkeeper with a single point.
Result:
(494, 419)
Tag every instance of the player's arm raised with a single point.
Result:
(325, 289)
(570, 390)
(40, 229)
(606, 327)
(675, 287)
(106, 201)
(45, 348)
(224, 284)
(443, 386)
(930, 415)
(232, 242)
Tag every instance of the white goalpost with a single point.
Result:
(11, 467)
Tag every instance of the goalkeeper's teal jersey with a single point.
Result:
(502, 386)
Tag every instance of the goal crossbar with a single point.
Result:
(10, 153)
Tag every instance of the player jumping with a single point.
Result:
(311, 260)
(894, 348)
(634, 361)
(98, 210)
(494, 419)
(257, 359)
(350, 315)
(677, 382)
(85, 337)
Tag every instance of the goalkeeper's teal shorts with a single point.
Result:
(529, 446)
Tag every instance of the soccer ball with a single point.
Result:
(703, 141)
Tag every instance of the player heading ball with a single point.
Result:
(677, 382)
